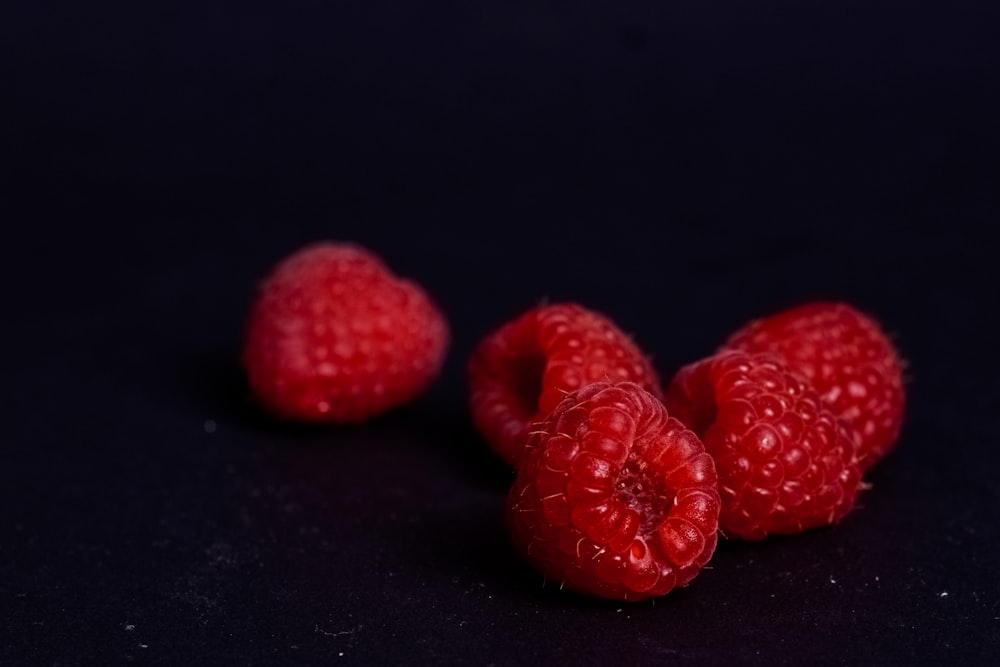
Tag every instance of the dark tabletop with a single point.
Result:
(680, 166)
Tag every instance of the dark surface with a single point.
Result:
(681, 166)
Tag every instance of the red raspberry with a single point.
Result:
(334, 336)
(615, 498)
(520, 372)
(785, 462)
(848, 360)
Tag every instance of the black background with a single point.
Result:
(681, 166)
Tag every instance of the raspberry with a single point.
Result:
(334, 336)
(848, 360)
(785, 461)
(614, 498)
(520, 372)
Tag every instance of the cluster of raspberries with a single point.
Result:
(622, 486)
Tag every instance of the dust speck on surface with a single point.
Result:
(944, 594)
(129, 626)
(331, 633)
(210, 426)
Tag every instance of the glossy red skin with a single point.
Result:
(785, 462)
(521, 371)
(614, 498)
(334, 336)
(847, 358)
